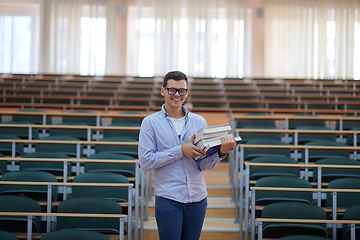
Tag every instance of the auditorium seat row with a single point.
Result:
(214, 95)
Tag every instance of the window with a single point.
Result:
(357, 50)
(198, 39)
(18, 43)
(146, 28)
(331, 34)
(218, 59)
(93, 46)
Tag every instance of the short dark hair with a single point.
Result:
(176, 75)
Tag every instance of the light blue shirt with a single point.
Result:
(176, 177)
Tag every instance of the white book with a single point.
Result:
(212, 131)
(204, 142)
(213, 147)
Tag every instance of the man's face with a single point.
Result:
(176, 100)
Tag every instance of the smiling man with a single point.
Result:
(166, 146)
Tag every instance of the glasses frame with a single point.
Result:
(177, 90)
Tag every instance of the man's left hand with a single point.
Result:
(227, 144)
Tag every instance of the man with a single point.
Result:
(166, 146)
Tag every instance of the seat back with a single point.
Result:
(267, 197)
(295, 123)
(22, 133)
(304, 138)
(89, 205)
(303, 237)
(259, 172)
(81, 134)
(6, 148)
(74, 235)
(68, 149)
(293, 210)
(87, 120)
(5, 235)
(28, 118)
(12, 203)
(348, 124)
(125, 169)
(116, 133)
(119, 194)
(350, 138)
(38, 193)
(316, 154)
(329, 174)
(255, 123)
(352, 213)
(253, 153)
(344, 199)
(128, 150)
(3, 165)
(56, 168)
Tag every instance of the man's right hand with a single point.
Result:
(190, 150)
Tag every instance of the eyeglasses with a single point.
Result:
(181, 91)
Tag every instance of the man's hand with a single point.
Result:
(190, 150)
(227, 144)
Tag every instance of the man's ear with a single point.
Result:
(162, 91)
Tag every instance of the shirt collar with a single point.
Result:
(166, 115)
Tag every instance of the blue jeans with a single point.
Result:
(179, 221)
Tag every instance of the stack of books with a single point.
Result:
(209, 138)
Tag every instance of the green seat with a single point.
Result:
(251, 136)
(263, 198)
(87, 120)
(317, 123)
(12, 203)
(316, 154)
(127, 121)
(81, 134)
(293, 210)
(329, 174)
(350, 138)
(116, 133)
(255, 123)
(74, 235)
(38, 193)
(89, 205)
(303, 237)
(56, 168)
(34, 119)
(352, 213)
(259, 172)
(68, 149)
(266, 197)
(128, 150)
(304, 138)
(6, 148)
(3, 165)
(5, 235)
(126, 169)
(120, 194)
(344, 199)
(349, 124)
(253, 153)
(22, 132)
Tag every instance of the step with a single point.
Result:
(220, 208)
(213, 229)
(220, 216)
(218, 181)
(219, 191)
